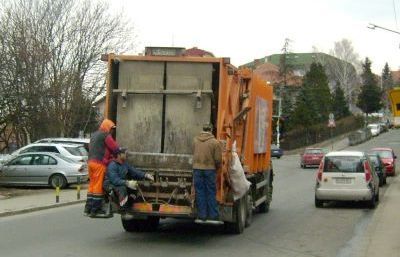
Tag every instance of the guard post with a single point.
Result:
(78, 188)
(58, 190)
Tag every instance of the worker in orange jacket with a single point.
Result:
(102, 146)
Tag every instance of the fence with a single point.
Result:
(304, 136)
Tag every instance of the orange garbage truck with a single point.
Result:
(160, 103)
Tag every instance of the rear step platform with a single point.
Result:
(208, 222)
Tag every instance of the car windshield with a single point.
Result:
(74, 150)
(374, 126)
(347, 164)
(383, 154)
(313, 151)
(65, 158)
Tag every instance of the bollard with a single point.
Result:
(58, 191)
(78, 188)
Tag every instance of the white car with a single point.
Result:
(74, 152)
(346, 176)
(375, 129)
(65, 140)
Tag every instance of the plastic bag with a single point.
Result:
(240, 184)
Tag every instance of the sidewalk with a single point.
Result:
(39, 201)
(383, 232)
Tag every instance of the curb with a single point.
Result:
(39, 208)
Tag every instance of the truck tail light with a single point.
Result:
(368, 173)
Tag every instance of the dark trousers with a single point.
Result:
(205, 186)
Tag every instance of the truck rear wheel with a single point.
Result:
(264, 207)
(140, 225)
(240, 211)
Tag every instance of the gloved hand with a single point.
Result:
(132, 184)
(148, 176)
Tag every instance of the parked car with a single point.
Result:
(384, 127)
(375, 129)
(388, 157)
(379, 168)
(65, 140)
(75, 152)
(346, 176)
(311, 157)
(276, 151)
(42, 169)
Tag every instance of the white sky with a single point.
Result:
(245, 30)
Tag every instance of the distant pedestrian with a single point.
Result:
(102, 146)
(207, 157)
(122, 178)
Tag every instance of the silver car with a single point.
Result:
(346, 176)
(42, 169)
(75, 152)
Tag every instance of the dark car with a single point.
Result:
(380, 168)
(276, 151)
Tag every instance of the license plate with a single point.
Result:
(344, 181)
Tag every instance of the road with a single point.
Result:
(293, 227)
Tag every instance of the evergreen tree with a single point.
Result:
(387, 80)
(313, 103)
(387, 84)
(369, 100)
(339, 104)
(316, 82)
(304, 113)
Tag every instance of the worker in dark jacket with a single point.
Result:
(102, 146)
(207, 156)
(120, 176)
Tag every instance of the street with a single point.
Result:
(293, 227)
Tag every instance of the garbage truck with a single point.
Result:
(160, 102)
(394, 97)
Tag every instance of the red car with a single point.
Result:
(388, 158)
(311, 157)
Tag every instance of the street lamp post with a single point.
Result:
(374, 26)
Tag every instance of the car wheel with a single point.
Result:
(384, 181)
(319, 203)
(372, 202)
(302, 165)
(57, 180)
(377, 196)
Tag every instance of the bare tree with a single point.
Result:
(51, 71)
(345, 68)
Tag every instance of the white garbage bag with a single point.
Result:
(240, 184)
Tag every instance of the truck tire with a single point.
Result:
(264, 207)
(240, 211)
(249, 214)
(140, 225)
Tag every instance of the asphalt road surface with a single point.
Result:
(293, 227)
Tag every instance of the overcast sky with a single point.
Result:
(245, 30)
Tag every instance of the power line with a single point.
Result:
(395, 14)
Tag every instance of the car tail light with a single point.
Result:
(368, 173)
(320, 170)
